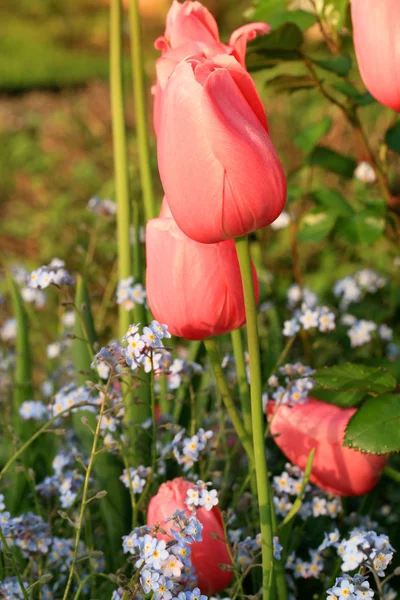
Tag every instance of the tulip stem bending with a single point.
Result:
(257, 415)
(213, 354)
(140, 110)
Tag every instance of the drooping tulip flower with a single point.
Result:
(196, 289)
(218, 166)
(207, 555)
(315, 424)
(376, 32)
(191, 30)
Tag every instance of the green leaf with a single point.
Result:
(23, 389)
(286, 37)
(316, 226)
(351, 92)
(375, 427)
(85, 334)
(344, 399)
(307, 139)
(280, 44)
(355, 377)
(332, 161)
(392, 137)
(340, 65)
(301, 18)
(334, 201)
(290, 83)
(265, 9)
(364, 227)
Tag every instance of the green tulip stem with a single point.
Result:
(257, 415)
(243, 386)
(140, 110)
(215, 361)
(120, 155)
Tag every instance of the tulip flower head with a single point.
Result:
(191, 30)
(211, 551)
(197, 288)
(315, 424)
(218, 166)
(376, 32)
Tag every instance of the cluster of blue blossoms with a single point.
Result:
(165, 567)
(291, 386)
(52, 274)
(186, 450)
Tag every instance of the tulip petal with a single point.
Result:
(244, 149)
(195, 289)
(186, 163)
(244, 34)
(336, 469)
(376, 31)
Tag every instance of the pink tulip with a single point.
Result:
(196, 289)
(376, 32)
(220, 171)
(192, 31)
(207, 554)
(319, 425)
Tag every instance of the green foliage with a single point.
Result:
(333, 201)
(362, 228)
(375, 427)
(332, 161)
(85, 334)
(23, 389)
(316, 225)
(392, 137)
(280, 44)
(303, 19)
(353, 94)
(340, 65)
(355, 377)
(309, 137)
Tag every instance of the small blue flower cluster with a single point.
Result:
(66, 481)
(289, 483)
(297, 388)
(306, 312)
(51, 274)
(306, 568)
(350, 588)
(135, 479)
(166, 566)
(69, 396)
(103, 208)
(179, 369)
(367, 549)
(35, 410)
(30, 295)
(249, 549)
(129, 294)
(353, 288)
(147, 349)
(186, 450)
(11, 590)
(200, 496)
(28, 532)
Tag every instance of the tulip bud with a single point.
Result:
(205, 555)
(196, 289)
(219, 169)
(377, 45)
(315, 424)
